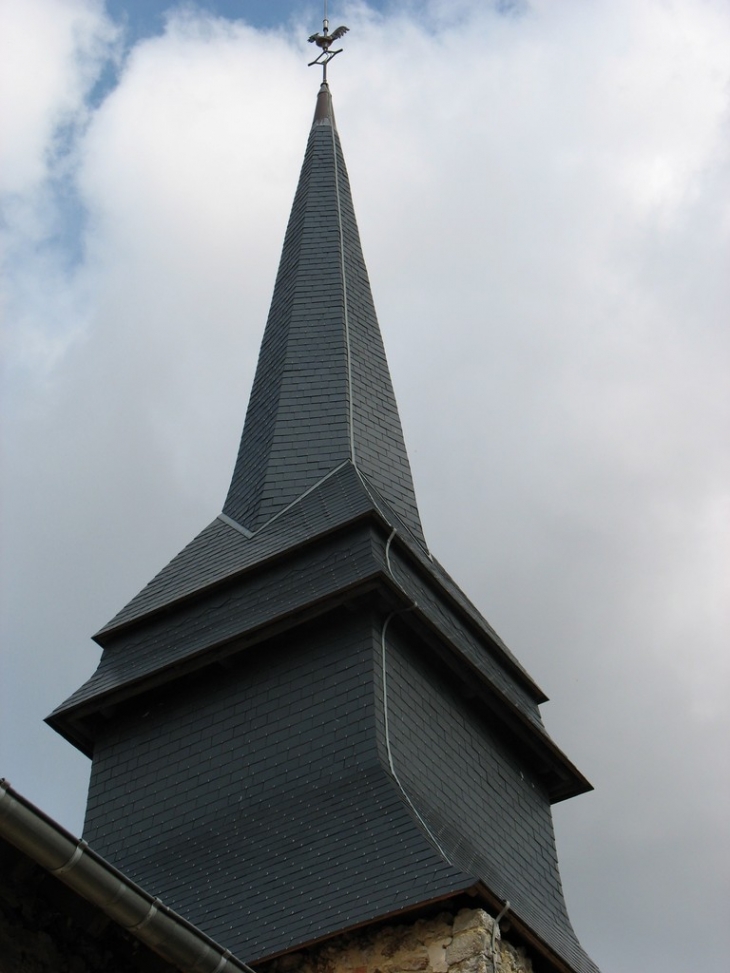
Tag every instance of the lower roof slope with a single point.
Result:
(64, 894)
(227, 590)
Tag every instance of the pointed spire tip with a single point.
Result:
(323, 111)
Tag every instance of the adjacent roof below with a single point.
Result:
(39, 839)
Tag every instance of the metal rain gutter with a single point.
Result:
(94, 879)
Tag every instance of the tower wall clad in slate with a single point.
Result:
(480, 799)
(260, 778)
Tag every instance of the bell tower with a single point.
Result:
(302, 725)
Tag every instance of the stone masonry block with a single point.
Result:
(426, 946)
(468, 944)
(437, 956)
(472, 919)
(474, 964)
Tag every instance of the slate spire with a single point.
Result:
(322, 396)
(301, 724)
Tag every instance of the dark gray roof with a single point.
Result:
(238, 611)
(322, 392)
(223, 550)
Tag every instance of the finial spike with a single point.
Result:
(324, 41)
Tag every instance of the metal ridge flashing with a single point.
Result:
(266, 560)
(75, 864)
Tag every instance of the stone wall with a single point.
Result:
(447, 943)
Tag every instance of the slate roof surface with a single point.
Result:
(339, 848)
(229, 613)
(220, 551)
(278, 588)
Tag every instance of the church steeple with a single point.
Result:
(322, 396)
(302, 725)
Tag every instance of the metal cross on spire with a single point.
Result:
(324, 41)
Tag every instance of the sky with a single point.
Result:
(542, 190)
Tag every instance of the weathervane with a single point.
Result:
(324, 41)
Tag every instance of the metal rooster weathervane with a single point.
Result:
(324, 41)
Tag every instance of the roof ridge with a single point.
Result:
(280, 513)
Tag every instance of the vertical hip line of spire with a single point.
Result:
(344, 301)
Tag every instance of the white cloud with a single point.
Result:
(51, 53)
(542, 200)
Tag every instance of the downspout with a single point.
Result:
(493, 945)
(94, 879)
